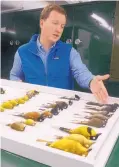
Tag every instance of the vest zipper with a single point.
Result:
(46, 78)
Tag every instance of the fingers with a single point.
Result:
(101, 95)
(98, 97)
(104, 77)
(104, 90)
(98, 89)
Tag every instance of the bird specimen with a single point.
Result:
(79, 138)
(70, 102)
(86, 131)
(46, 113)
(36, 116)
(110, 108)
(7, 105)
(54, 110)
(106, 113)
(19, 126)
(2, 91)
(94, 103)
(20, 101)
(62, 105)
(32, 93)
(102, 107)
(68, 145)
(59, 104)
(96, 122)
(29, 122)
(13, 102)
(25, 98)
(99, 116)
(76, 97)
(93, 108)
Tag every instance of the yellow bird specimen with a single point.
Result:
(20, 101)
(86, 131)
(13, 102)
(29, 122)
(79, 138)
(7, 105)
(25, 98)
(70, 146)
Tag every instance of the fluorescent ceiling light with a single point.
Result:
(102, 22)
(11, 31)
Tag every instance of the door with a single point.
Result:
(93, 32)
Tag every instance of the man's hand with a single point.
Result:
(98, 89)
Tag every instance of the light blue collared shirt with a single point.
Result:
(79, 70)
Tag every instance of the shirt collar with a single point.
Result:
(39, 45)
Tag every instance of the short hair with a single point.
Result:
(52, 7)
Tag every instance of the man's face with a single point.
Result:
(52, 28)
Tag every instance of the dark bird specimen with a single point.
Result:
(102, 107)
(96, 122)
(59, 104)
(2, 91)
(62, 105)
(106, 113)
(99, 116)
(95, 104)
(32, 93)
(75, 98)
(54, 110)
(111, 108)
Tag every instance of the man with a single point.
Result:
(46, 60)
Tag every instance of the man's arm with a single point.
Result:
(16, 72)
(79, 70)
(85, 78)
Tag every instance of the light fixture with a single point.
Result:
(11, 31)
(102, 22)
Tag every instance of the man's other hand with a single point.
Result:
(98, 89)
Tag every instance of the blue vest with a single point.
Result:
(58, 65)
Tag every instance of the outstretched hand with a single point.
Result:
(98, 89)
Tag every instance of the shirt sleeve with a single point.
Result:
(79, 70)
(16, 72)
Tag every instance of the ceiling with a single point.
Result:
(10, 6)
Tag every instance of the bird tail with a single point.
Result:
(65, 129)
